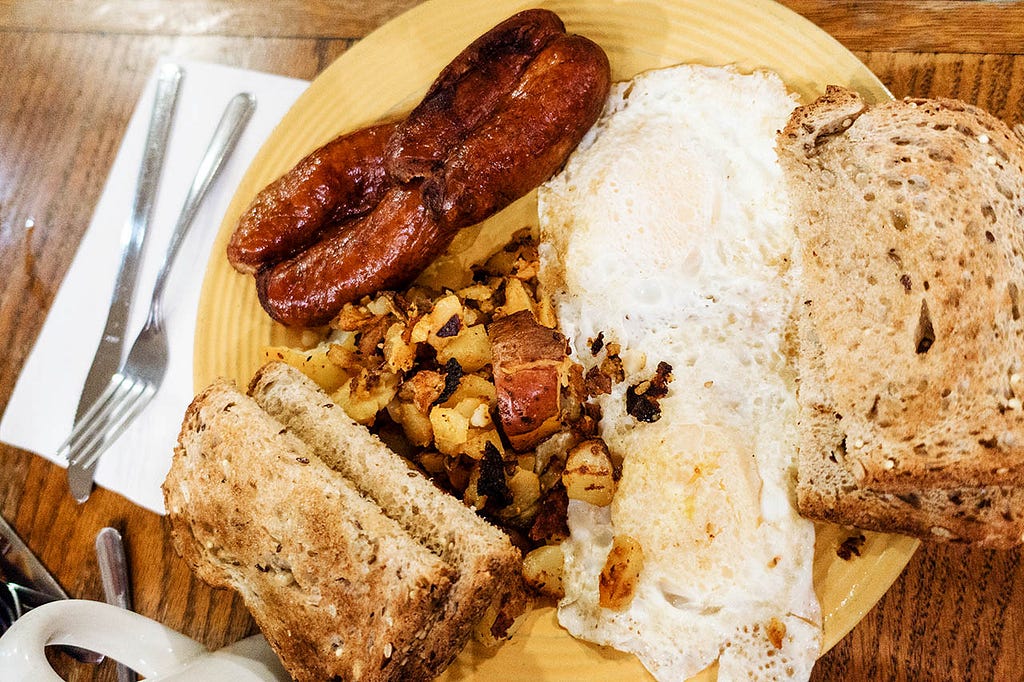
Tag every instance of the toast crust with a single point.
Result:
(487, 564)
(337, 588)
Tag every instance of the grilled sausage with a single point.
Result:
(385, 249)
(342, 179)
(558, 99)
(499, 120)
(468, 92)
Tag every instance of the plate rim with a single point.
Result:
(898, 551)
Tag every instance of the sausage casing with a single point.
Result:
(344, 178)
(468, 91)
(558, 99)
(383, 249)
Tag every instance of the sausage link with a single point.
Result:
(468, 91)
(385, 249)
(558, 99)
(344, 178)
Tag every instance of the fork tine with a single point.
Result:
(88, 420)
(117, 421)
(97, 414)
(97, 436)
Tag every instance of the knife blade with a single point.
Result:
(19, 565)
(111, 346)
(36, 584)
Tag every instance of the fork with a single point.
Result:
(138, 378)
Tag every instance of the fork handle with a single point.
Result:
(232, 123)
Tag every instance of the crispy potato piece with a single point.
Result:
(621, 573)
(314, 363)
(530, 364)
(366, 394)
(588, 473)
(470, 347)
(451, 429)
(542, 570)
(415, 424)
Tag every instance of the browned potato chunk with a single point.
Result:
(366, 394)
(451, 429)
(314, 363)
(542, 570)
(415, 424)
(621, 573)
(470, 347)
(588, 473)
(530, 365)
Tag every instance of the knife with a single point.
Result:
(19, 565)
(37, 585)
(111, 346)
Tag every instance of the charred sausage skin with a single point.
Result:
(557, 100)
(468, 92)
(498, 121)
(344, 178)
(377, 251)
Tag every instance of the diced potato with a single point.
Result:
(314, 363)
(542, 570)
(451, 429)
(415, 424)
(422, 389)
(471, 348)
(621, 573)
(546, 313)
(517, 298)
(588, 474)
(473, 386)
(477, 440)
(398, 353)
(467, 407)
(437, 320)
(475, 292)
(525, 488)
(366, 394)
(432, 462)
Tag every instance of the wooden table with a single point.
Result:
(71, 75)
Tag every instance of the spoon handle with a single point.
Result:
(114, 576)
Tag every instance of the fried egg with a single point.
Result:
(667, 232)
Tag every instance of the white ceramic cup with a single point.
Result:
(153, 650)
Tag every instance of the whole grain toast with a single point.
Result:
(487, 564)
(339, 589)
(991, 516)
(909, 216)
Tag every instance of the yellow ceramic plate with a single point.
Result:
(387, 73)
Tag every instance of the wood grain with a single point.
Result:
(70, 80)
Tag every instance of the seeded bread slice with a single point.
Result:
(826, 490)
(340, 590)
(487, 564)
(909, 220)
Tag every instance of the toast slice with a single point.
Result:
(826, 490)
(486, 562)
(909, 219)
(340, 590)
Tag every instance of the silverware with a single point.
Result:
(114, 576)
(25, 584)
(136, 381)
(111, 346)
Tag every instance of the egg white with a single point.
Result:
(668, 232)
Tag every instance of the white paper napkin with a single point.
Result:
(41, 410)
